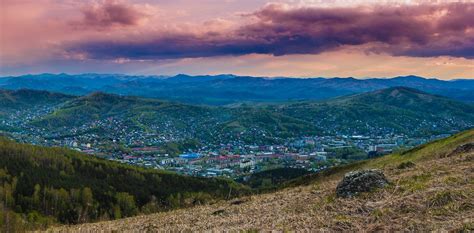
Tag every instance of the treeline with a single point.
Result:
(271, 179)
(41, 186)
(348, 153)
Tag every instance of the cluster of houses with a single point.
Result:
(310, 153)
(229, 158)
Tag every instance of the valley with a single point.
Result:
(233, 141)
(236, 116)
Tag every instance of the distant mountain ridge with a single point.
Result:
(229, 89)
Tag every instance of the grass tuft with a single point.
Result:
(415, 183)
(405, 165)
(443, 198)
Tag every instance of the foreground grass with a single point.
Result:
(431, 189)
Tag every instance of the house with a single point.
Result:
(190, 156)
(247, 163)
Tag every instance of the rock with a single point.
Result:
(357, 182)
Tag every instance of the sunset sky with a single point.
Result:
(298, 38)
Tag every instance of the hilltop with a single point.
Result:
(396, 109)
(229, 89)
(431, 189)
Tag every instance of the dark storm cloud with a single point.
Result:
(410, 30)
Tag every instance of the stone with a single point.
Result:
(361, 181)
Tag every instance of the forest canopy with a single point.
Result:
(40, 186)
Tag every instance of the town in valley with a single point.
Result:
(232, 157)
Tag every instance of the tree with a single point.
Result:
(37, 196)
(87, 202)
(127, 205)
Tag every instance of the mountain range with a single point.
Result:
(229, 89)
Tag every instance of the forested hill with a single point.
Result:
(29, 98)
(41, 186)
(398, 110)
(393, 110)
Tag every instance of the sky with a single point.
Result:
(293, 38)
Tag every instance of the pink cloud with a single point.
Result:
(110, 13)
(122, 32)
(277, 29)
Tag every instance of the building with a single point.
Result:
(247, 163)
(190, 156)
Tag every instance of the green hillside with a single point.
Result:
(248, 123)
(259, 125)
(41, 186)
(28, 98)
(393, 110)
(22, 105)
(100, 105)
(397, 110)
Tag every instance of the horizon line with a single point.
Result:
(235, 75)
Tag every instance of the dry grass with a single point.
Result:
(435, 194)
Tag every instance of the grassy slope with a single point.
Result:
(437, 193)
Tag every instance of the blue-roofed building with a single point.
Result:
(190, 156)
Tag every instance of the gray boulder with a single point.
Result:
(361, 181)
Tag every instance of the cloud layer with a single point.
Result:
(248, 37)
(110, 13)
(278, 29)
